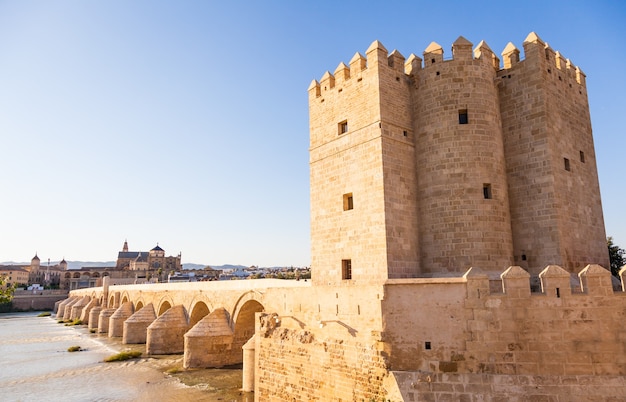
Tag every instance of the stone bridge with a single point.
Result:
(209, 322)
(402, 339)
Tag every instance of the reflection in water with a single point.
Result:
(35, 365)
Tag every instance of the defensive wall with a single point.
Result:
(25, 300)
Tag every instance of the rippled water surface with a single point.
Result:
(35, 366)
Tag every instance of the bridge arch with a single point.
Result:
(244, 320)
(250, 295)
(111, 302)
(139, 305)
(125, 298)
(198, 311)
(164, 305)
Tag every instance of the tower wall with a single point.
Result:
(354, 216)
(343, 164)
(462, 189)
(556, 211)
(399, 175)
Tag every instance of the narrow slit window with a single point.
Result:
(463, 116)
(348, 202)
(487, 191)
(566, 164)
(346, 269)
(343, 127)
(427, 345)
(582, 156)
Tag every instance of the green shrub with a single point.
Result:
(74, 349)
(44, 314)
(123, 356)
(173, 370)
(77, 321)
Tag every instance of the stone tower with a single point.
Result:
(551, 163)
(362, 148)
(462, 196)
(425, 169)
(35, 263)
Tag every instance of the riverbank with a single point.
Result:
(33, 300)
(37, 366)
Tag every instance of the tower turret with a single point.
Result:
(551, 168)
(35, 263)
(361, 133)
(462, 195)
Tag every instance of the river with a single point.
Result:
(35, 365)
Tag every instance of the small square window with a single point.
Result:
(405, 133)
(566, 164)
(346, 269)
(487, 191)
(348, 202)
(343, 127)
(463, 116)
(582, 156)
(427, 345)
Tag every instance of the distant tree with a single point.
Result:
(6, 292)
(616, 256)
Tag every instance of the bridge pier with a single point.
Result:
(136, 326)
(61, 306)
(166, 334)
(67, 312)
(77, 308)
(94, 313)
(58, 304)
(248, 365)
(116, 321)
(209, 343)
(103, 320)
(84, 315)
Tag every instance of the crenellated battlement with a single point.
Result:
(593, 280)
(433, 55)
(555, 62)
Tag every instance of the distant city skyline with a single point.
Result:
(186, 123)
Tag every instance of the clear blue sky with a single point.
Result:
(186, 122)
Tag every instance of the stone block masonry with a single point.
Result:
(451, 163)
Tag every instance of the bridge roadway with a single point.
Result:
(207, 321)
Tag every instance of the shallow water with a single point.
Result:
(35, 365)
